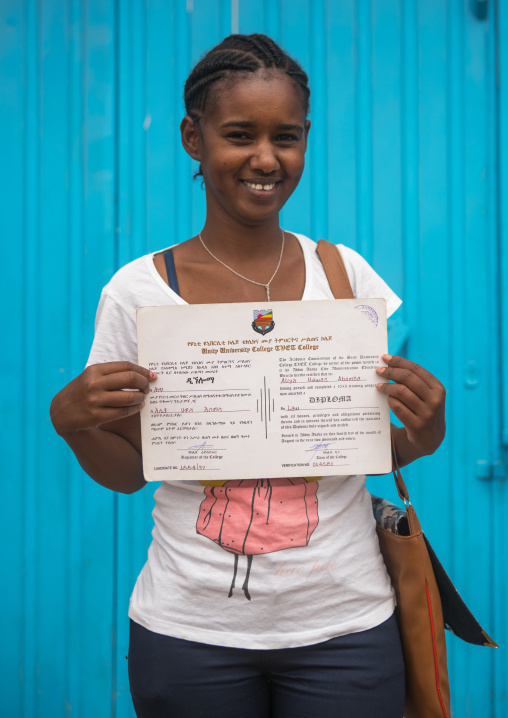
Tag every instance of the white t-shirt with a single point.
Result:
(295, 584)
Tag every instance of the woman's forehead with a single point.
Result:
(255, 96)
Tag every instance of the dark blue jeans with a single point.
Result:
(356, 676)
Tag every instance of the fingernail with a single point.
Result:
(143, 403)
(380, 369)
(153, 375)
(387, 357)
(380, 385)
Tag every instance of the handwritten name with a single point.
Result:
(328, 399)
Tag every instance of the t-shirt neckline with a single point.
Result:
(178, 299)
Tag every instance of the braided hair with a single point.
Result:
(239, 54)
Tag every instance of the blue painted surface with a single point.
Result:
(408, 163)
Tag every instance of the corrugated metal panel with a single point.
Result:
(406, 120)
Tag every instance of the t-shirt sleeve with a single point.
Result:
(365, 282)
(115, 334)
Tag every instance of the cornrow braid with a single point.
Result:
(239, 54)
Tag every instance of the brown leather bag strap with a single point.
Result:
(335, 270)
(340, 285)
(399, 481)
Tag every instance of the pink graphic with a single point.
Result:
(257, 516)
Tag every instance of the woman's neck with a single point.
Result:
(241, 241)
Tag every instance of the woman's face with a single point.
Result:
(251, 145)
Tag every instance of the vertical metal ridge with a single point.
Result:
(409, 153)
(13, 116)
(117, 223)
(319, 157)
(30, 352)
(141, 128)
(116, 131)
(495, 368)
(184, 165)
(455, 174)
(364, 203)
(272, 17)
(120, 221)
(500, 16)
(275, 25)
(235, 17)
(75, 297)
(498, 175)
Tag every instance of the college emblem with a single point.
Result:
(263, 321)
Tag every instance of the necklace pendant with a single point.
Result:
(246, 279)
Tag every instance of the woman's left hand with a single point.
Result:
(417, 399)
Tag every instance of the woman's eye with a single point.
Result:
(287, 138)
(242, 136)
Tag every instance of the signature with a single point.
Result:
(320, 446)
(200, 447)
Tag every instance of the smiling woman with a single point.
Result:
(287, 643)
(252, 151)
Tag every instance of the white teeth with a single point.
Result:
(265, 187)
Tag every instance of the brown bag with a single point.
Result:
(407, 560)
(419, 613)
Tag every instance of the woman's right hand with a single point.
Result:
(100, 394)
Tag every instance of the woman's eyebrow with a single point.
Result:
(286, 126)
(248, 123)
(238, 123)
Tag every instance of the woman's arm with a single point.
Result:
(97, 414)
(417, 399)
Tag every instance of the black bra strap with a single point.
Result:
(171, 271)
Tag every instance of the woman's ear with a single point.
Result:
(306, 131)
(191, 138)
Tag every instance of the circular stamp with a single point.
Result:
(368, 312)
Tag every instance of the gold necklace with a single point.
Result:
(259, 284)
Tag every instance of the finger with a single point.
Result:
(404, 395)
(398, 362)
(406, 377)
(407, 417)
(119, 367)
(114, 414)
(124, 380)
(122, 399)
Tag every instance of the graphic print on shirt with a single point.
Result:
(257, 516)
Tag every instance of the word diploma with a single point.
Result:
(246, 391)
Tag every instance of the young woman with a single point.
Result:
(304, 629)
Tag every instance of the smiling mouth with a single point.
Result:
(259, 186)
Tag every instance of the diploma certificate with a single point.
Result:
(246, 391)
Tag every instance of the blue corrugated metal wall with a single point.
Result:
(407, 156)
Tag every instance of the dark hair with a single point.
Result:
(239, 54)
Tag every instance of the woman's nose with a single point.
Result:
(264, 158)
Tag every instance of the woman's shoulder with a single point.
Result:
(365, 281)
(138, 282)
(135, 270)
(348, 254)
(354, 262)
